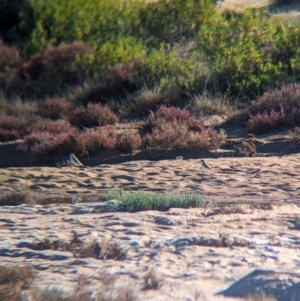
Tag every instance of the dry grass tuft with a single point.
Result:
(261, 297)
(112, 250)
(79, 248)
(107, 290)
(17, 107)
(205, 104)
(152, 281)
(13, 279)
(21, 195)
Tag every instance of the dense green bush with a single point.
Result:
(245, 53)
(251, 51)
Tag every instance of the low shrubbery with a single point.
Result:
(244, 53)
(166, 128)
(47, 73)
(173, 128)
(92, 116)
(13, 127)
(54, 108)
(276, 108)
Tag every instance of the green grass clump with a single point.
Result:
(142, 201)
(21, 195)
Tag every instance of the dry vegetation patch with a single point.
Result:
(14, 279)
(20, 195)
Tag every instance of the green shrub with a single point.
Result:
(250, 52)
(141, 201)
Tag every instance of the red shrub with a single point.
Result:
(103, 138)
(92, 116)
(48, 72)
(48, 146)
(286, 99)
(13, 127)
(54, 108)
(53, 127)
(7, 135)
(262, 122)
(129, 142)
(172, 114)
(172, 128)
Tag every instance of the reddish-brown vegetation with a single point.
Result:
(103, 138)
(13, 127)
(92, 116)
(48, 72)
(54, 108)
(275, 108)
(263, 122)
(129, 142)
(172, 128)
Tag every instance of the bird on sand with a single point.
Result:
(73, 160)
(204, 164)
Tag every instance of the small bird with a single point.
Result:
(204, 164)
(178, 158)
(73, 160)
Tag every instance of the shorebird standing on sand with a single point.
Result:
(73, 160)
(204, 164)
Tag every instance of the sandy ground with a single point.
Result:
(274, 179)
(182, 246)
(221, 257)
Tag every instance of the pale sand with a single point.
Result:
(179, 244)
(236, 179)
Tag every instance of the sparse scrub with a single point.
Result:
(152, 281)
(20, 195)
(261, 297)
(83, 291)
(13, 279)
(79, 248)
(92, 116)
(112, 250)
(140, 201)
